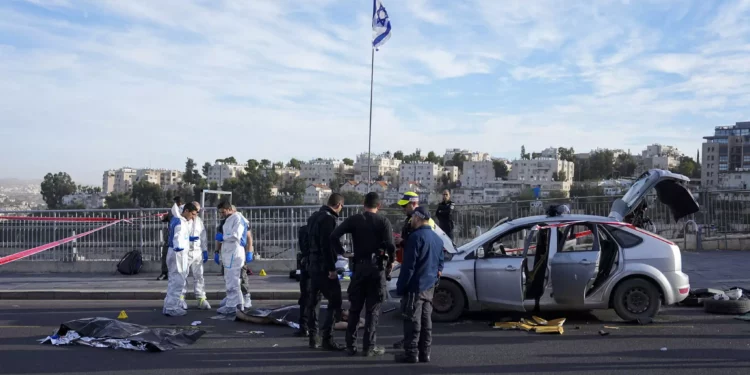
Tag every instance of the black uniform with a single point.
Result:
(304, 278)
(444, 215)
(372, 237)
(322, 261)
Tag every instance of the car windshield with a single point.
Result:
(635, 191)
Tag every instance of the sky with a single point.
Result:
(90, 85)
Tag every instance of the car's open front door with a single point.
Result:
(575, 265)
(500, 278)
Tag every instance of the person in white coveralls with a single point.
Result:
(233, 256)
(177, 259)
(197, 256)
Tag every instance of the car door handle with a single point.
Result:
(511, 268)
(584, 262)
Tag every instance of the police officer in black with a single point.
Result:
(444, 214)
(323, 277)
(372, 238)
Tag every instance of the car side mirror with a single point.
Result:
(480, 252)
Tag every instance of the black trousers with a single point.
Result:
(416, 309)
(367, 289)
(322, 286)
(447, 228)
(304, 298)
(164, 269)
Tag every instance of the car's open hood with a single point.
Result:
(671, 189)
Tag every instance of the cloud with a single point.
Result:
(96, 84)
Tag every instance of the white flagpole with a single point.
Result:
(369, 138)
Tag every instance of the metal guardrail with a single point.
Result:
(274, 229)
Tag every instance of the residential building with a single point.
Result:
(500, 190)
(89, 201)
(659, 150)
(220, 172)
(468, 155)
(451, 173)
(468, 196)
(317, 194)
(124, 178)
(380, 165)
(148, 175)
(538, 170)
(170, 178)
(728, 150)
(287, 175)
(426, 174)
(477, 173)
(349, 186)
(550, 153)
(323, 172)
(108, 181)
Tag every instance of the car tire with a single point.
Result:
(733, 307)
(636, 299)
(448, 302)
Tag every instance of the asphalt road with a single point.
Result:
(697, 343)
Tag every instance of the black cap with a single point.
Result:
(422, 213)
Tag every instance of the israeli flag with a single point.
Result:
(381, 25)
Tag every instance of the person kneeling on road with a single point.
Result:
(423, 261)
(177, 260)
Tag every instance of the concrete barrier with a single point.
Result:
(735, 242)
(148, 266)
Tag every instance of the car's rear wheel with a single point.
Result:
(636, 299)
(448, 303)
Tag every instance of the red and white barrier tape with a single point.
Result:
(74, 219)
(45, 247)
(39, 249)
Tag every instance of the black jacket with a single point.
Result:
(444, 214)
(320, 226)
(370, 233)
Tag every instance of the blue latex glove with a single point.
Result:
(194, 238)
(248, 257)
(216, 258)
(219, 237)
(205, 256)
(177, 249)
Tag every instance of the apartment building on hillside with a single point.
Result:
(323, 171)
(426, 174)
(220, 172)
(725, 152)
(477, 173)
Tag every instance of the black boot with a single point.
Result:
(302, 333)
(424, 358)
(352, 350)
(404, 358)
(331, 345)
(398, 344)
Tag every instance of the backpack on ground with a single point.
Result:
(131, 263)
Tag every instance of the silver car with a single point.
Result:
(571, 262)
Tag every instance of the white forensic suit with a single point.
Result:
(177, 264)
(198, 245)
(233, 259)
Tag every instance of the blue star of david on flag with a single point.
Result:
(381, 24)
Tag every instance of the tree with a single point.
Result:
(433, 158)
(536, 155)
(229, 160)
(278, 165)
(523, 152)
(55, 187)
(294, 163)
(398, 155)
(149, 195)
(625, 165)
(567, 154)
(688, 167)
(501, 169)
(562, 176)
(602, 164)
(352, 197)
(206, 169)
(296, 190)
(555, 176)
(348, 161)
(116, 201)
(265, 163)
(88, 189)
(457, 161)
(191, 175)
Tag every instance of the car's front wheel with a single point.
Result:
(636, 299)
(448, 303)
